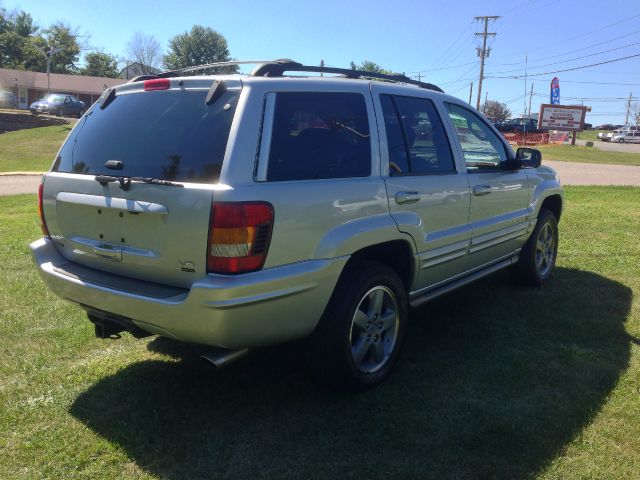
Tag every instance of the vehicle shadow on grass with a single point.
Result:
(495, 380)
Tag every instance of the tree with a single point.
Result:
(145, 50)
(497, 110)
(199, 46)
(60, 36)
(16, 29)
(100, 64)
(369, 66)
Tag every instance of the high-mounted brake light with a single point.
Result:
(43, 224)
(157, 84)
(239, 236)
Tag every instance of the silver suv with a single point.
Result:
(239, 211)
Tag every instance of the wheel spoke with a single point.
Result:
(360, 349)
(375, 302)
(378, 351)
(361, 319)
(388, 320)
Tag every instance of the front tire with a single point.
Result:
(358, 339)
(538, 256)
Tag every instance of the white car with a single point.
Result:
(606, 137)
(627, 136)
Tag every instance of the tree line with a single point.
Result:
(25, 46)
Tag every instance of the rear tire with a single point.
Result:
(358, 339)
(538, 256)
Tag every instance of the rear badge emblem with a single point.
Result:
(187, 266)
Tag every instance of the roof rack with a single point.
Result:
(277, 68)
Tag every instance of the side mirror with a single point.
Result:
(66, 100)
(529, 157)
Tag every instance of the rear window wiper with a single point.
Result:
(125, 182)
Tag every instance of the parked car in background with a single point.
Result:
(627, 136)
(8, 100)
(606, 126)
(607, 136)
(59, 104)
(518, 125)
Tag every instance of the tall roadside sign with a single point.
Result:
(555, 91)
(562, 117)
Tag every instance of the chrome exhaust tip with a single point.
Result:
(221, 357)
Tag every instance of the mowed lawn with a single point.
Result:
(576, 153)
(496, 381)
(33, 149)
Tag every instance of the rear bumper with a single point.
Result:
(260, 308)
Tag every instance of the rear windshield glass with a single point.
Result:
(170, 135)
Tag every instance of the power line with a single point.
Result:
(600, 83)
(572, 59)
(445, 68)
(579, 36)
(450, 47)
(571, 69)
(570, 52)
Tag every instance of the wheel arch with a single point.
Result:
(396, 254)
(554, 204)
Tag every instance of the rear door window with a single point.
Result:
(416, 139)
(319, 135)
(170, 135)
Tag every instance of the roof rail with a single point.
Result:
(277, 68)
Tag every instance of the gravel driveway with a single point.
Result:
(570, 174)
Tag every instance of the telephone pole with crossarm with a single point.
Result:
(484, 51)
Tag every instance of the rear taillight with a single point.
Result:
(157, 84)
(43, 224)
(239, 236)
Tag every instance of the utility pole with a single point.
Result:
(483, 52)
(322, 65)
(530, 96)
(419, 76)
(626, 118)
(470, 92)
(484, 106)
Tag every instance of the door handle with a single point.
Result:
(407, 197)
(481, 190)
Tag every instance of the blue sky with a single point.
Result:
(435, 38)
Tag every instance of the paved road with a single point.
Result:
(595, 174)
(613, 147)
(15, 184)
(570, 174)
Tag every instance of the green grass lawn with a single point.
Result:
(575, 153)
(590, 135)
(496, 381)
(33, 149)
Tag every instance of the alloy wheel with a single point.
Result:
(374, 329)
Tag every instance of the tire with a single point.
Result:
(538, 256)
(358, 339)
(80, 112)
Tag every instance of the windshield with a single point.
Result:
(169, 135)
